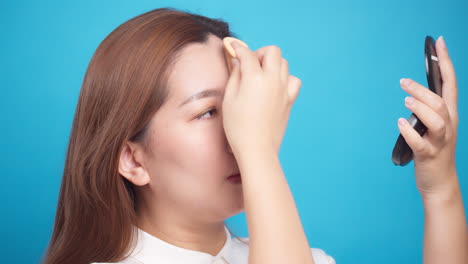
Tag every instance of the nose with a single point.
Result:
(226, 142)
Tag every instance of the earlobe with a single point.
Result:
(130, 165)
(139, 179)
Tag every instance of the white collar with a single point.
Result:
(150, 249)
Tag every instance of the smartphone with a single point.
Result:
(402, 154)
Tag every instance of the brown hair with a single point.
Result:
(124, 85)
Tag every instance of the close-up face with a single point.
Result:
(190, 158)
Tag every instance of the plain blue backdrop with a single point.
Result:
(350, 55)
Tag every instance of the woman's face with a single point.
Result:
(190, 158)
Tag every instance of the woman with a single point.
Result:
(162, 128)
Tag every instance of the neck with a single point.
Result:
(182, 230)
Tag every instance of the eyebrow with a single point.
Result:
(202, 94)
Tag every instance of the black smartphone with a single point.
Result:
(402, 154)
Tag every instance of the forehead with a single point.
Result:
(198, 67)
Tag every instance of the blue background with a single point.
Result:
(353, 202)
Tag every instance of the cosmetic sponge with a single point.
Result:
(229, 51)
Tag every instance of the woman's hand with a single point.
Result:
(256, 107)
(258, 98)
(434, 153)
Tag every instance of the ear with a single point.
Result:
(131, 165)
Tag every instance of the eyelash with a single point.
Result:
(211, 110)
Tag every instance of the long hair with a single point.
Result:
(124, 85)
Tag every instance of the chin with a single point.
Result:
(237, 210)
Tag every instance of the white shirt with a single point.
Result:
(152, 250)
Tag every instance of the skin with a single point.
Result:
(257, 103)
(181, 175)
(245, 135)
(445, 231)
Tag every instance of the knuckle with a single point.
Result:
(296, 81)
(274, 49)
(262, 50)
(439, 127)
(299, 82)
(439, 105)
(421, 148)
(431, 152)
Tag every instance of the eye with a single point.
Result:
(212, 111)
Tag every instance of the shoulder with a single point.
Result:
(319, 255)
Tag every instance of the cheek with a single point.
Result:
(188, 153)
(190, 166)
(201, 147)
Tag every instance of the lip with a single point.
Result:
(234, 175)
(236, 178)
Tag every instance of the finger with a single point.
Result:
(232, 85)
(433, 121)
(449, 90)
(411, 136)
(228, 58)
(260, 53)
(270, 57)
(227, 42)
(426, 96)
(294, 85)
(248, 60)
(284, 71)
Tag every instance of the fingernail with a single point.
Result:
(442, 42)
(409, 100)
(401, 121)
(405, 82)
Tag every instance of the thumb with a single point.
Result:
(294, 85)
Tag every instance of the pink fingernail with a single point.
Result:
(401, 121)
(405, 82)
(442, 42)
(409, 100)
